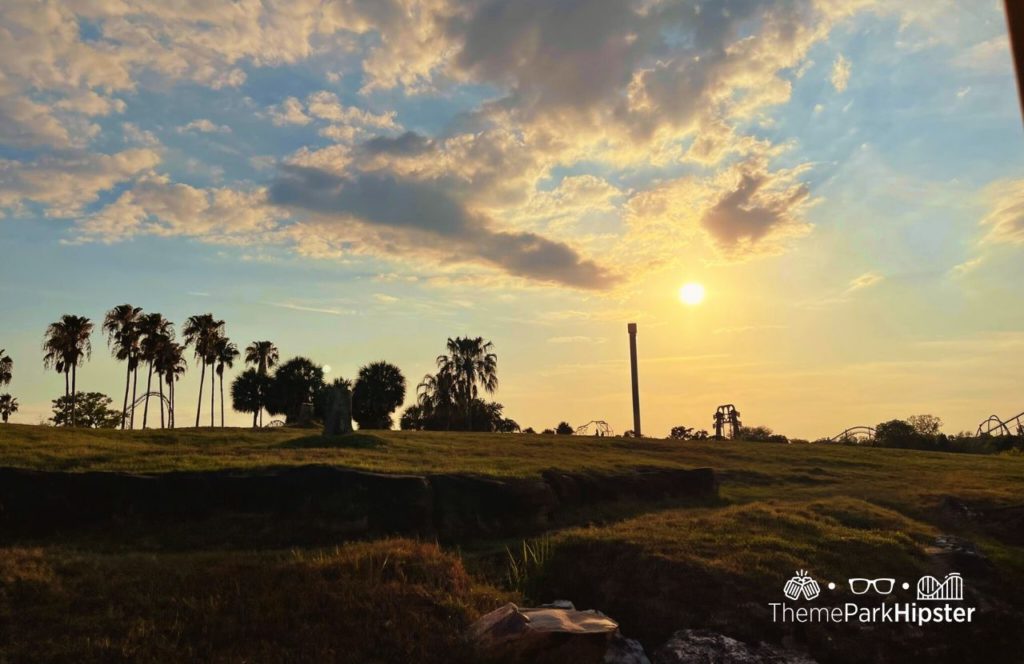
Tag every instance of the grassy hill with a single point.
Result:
(839, 511)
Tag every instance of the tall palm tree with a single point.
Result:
(261, 354)
(225, 353)
(473, 364)
(170, 366)
(201, 332)
(264, 356)
(8, 406)
(67, 344)
(6, 368)
(121, 325)
(155, 333)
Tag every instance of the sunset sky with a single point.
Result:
(359, 180)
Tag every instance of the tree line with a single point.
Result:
(452, 398)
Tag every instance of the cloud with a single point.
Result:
(65, 184)
(866, 280)
(758, 204)
(156, 206)
(579, 339)
(992, 56)
(1005, 219)
(289, 112)
(423, 215)
(967, 266)
(204, 126)
(840, 73)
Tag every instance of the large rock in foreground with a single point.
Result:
(554, 633)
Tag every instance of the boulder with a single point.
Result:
(706, 647)
(552, 633)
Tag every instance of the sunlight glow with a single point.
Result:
(691, 294)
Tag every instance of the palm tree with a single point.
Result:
(155, 333)
(471, 362)
(201, 332)
(225, 353)
(6, 368)
(262, 354)
(8, 406)
(66, 343)
(379, 390)
(436, 397)
(170, 366)
(248, 392)
(121, 325)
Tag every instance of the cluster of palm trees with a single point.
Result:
(451, 398)
(8, 404)
(147, 340)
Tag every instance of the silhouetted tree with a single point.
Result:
(261, 354)
(564, 429)
(681, 433)
(155, 333)
(8, 406)
(529, 430)
(896, 433)
(296, 382)
(248, 392)
(378, 392)
(201, 332)
(90, 410)
(6, 368)
(225, 353)
(926, 425)
(759, 435)
(436, 399)
(412, 419)
(170, 366)
(121, 325)
(472, 364)
(66, 344)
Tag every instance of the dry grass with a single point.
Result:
(385, 601)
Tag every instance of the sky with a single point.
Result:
(360, 180)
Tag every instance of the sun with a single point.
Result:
(691, 293)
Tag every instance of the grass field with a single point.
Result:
(839, 511)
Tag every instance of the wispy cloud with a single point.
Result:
(318, 310)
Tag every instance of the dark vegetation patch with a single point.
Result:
(384, 601)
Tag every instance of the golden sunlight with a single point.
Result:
(691, 293)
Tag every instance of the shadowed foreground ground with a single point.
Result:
(234, 589)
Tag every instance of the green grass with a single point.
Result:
(838, 511)
(905, 479)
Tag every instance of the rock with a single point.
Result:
(691, 646)
(625, 651)
(552, 634)
(958, 554)
(339, 411)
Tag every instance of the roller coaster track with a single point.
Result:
(600, 428)
(993, 426)
(855, 433)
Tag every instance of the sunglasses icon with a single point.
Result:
(880, 586)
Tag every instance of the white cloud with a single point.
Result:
(866, 280)
(840, 73)
(204, 126)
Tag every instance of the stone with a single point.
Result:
(699, 645)
(552, 634)
(339, 412)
